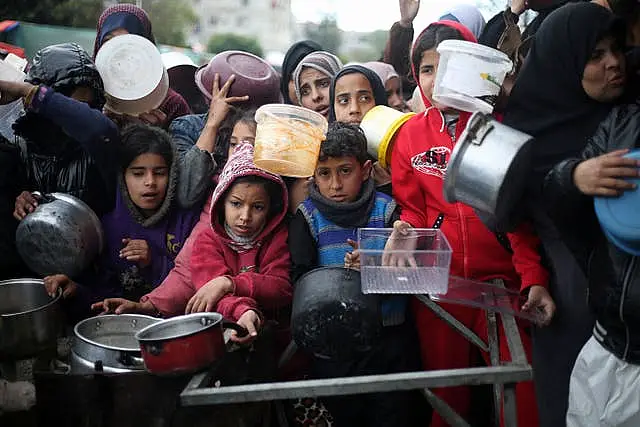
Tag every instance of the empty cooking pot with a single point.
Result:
(30, 319)
(331, 317)
(108, 343)
(61, 236)
(489, 167)
(185, 344)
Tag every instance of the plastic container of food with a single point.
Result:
(469, 76)
(135, 80)
(380, 126)
(422, 261)
(288, 139)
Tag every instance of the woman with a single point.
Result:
(561, 102)
(295, 54)
(392, 84)
(126, 18)
(312, 78)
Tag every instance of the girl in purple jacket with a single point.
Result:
(145, 230)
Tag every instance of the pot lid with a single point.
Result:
(130, 66)
(619, 218)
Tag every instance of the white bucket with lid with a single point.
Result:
(469, 76)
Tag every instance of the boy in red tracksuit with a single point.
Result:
(419, 163)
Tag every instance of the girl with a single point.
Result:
(354, 91)
(313, 77)
(127, 18)
(392, 84)
(145, 230)
(295, 54)
(239, 260)
(419, 161)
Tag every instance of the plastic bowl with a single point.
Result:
(135, 80)
(254, 77)
(288, 139)
(469, 76)
(380, 126)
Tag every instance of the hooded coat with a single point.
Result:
(67, 146)
(377, 87)
(136, 21)
(260, 270)
(419, 162)
(165, 232)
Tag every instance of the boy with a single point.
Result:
(342, 199)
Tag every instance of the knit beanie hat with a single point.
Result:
(324, 62)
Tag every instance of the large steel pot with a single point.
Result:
(331, 317)
(489, 168)
(62, 235)
(107, 343)
(185, 344)
(30, 319)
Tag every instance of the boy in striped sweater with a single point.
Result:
(342, 198)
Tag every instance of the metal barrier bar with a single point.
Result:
(355, 385)
(446, 412)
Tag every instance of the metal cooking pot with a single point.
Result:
(61, 236)
(331, 317)
(185, 344)
(30, 319)
(107, 343)
(489, 167)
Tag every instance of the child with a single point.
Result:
(605, 377)
(312, 78)
(232, 264)
(392, 84)
(354, 91)
(146, 229)
(343, 198)
(419, 163)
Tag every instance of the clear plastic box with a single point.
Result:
(415, 263)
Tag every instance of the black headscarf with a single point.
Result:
(379, 92)
(294, 55)
(548, 100)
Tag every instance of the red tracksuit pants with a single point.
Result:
(441, 347)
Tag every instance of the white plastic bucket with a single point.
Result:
(288, 139)
(469, 76)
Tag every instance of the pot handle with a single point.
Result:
(131, 361)
(155, 348)
(240, 330)
(42, 198)
(479, 129)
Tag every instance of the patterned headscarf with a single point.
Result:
(324, 62)
(123, 15)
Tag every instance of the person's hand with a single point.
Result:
(518, 6)
(208, 296)
(60, 281)
(251, 322)
(540, 303)
(352, 259)
(603, 175)
(402, 239)
(25, 204)
(220, 102)
(11, 91)
(408, 11)
(381, 176)
(137, 251)
(122, 306)
(154, 118)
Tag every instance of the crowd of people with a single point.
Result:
(191, 224)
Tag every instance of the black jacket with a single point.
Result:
(614, 275)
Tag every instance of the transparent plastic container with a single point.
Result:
(288, 139)
(415, 263)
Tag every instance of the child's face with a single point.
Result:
(314, 91)
(427, 76)
(394, 94)
(242, 133)
(146, 179)
(340, 178)
(246, 207)
(353, 98)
